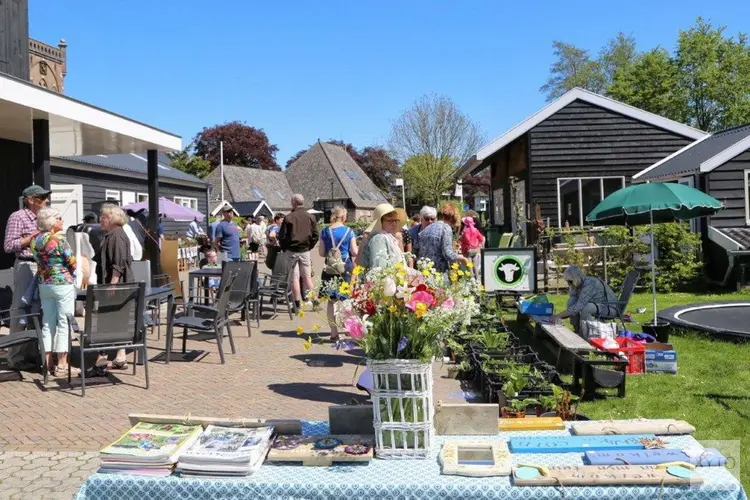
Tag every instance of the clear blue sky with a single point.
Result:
(304, 70)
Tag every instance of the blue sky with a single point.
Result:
(304, 70)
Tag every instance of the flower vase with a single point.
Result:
(402, 408)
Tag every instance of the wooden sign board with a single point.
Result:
(321, 450)
(475, 458)
(466, 419)
(531, 424)
(280, 426)
(576, 444)
(604, 475)
(710, 457)
(659, 427)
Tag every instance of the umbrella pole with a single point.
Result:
(653, 264)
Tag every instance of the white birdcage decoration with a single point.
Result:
(402, 408)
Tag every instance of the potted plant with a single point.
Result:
(561, 404)
(459, 371)
(515, 407)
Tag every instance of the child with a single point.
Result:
(214, 282)
(472, 242)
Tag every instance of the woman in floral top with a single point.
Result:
(57, 292)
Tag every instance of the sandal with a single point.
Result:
(62, 371)
(120, 364)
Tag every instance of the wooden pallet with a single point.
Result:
(304, 450)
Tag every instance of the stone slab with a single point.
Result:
(468, 419)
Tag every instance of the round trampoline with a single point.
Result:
(725, 318)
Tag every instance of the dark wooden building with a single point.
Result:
(123, 178)
(719, 165)
(570, 155)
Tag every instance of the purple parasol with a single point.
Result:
(169, 209)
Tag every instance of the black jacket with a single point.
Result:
(299, 231)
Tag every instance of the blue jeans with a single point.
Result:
(57, 302)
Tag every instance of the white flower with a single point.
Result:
(389, 287)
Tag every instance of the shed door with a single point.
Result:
(68, 199)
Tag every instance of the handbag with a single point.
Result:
(598, 329)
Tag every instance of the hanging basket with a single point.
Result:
(402, 408)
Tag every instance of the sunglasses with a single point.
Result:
(391, 220)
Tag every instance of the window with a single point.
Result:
(187, 202)
(258, 194)
(111, 195)
(577, 197)
(747, 197)
(128, 197)
(141, 197)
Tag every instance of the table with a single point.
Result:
(392, 479)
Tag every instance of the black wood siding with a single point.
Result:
(583, 140)
(95, 184)
(14, 38)
(727, 184)
(15, 164)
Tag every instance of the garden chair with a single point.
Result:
(628, 287)
(276, 287)
(240, 295)
(505, 240)
(32, 333)
(114, 320)
(212, 319)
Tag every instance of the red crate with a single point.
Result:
(635, 352)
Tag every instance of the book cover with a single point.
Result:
(228, 444)
(151, 442)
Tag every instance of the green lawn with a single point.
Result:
(711, 390)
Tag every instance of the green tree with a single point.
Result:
(652, 84)
(427, 177)
(572, 68)
(618, 56)
(714, 75)
(189, 163)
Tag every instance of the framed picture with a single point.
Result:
(509, 271)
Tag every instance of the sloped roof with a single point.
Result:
(572, 95)
(132, 162)
(702, 155)
(252, 184)
(250, 208)
(327, 172)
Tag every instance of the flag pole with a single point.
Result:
(221, 165)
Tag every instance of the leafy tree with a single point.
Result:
(572, 68)
(427, 177)
(618, 56)
(244, 146)
(189, 163)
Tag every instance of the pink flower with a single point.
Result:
(420, 297)
(355, 328)
(448, 304)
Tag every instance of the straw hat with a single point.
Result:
(382, 210)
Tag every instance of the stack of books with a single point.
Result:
(226, 451)
(149, 449)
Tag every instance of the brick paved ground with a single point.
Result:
(49, 436)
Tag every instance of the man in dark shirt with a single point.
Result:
(227, 235)
(297, 236)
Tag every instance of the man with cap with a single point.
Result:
(19, 232)
(227, 235)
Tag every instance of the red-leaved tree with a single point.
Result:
(244, 146)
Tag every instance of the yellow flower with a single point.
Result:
(308, 344)
(426, 273)
(455, 266)
(399, 265)
(316, 328)
(480, 287)
(453, 277)
(345, 288)
(392, 308)
(469, 265)
(420, 309)
(460, 272)
(357, 271)
(301, 313)
(300, 330)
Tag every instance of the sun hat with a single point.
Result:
(382, 210)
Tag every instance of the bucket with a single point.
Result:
(659, 330)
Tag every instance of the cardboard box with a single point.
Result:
(658, 346)
(661, 361)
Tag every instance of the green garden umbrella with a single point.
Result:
(654, 202)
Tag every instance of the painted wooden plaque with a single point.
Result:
(644, 426)
(466, 419)
(576, 444)
(604, 475)
(475, 458)
(531, 424)
(321, 450)
(710, 457)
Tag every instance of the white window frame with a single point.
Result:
(192, 202)
(141, 197)
(111, 195)
(580, 194)
(124, 195)
(746, 176)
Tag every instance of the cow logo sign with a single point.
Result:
(509, 270)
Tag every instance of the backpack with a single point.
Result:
(334, 264)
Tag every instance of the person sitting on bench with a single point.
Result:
(588, 299)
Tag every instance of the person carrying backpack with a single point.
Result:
(339, 249)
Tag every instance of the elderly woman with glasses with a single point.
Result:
(55, 275)
(382, 248)
(590, 297)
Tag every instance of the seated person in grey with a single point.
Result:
(588, 299)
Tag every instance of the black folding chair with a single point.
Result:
(212, 319)
(114, 320)
(32, 333)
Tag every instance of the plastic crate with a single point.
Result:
(635, 352)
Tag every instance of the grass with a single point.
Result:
(711, 390)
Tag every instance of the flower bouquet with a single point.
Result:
(401, 318)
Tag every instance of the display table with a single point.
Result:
(392, 479)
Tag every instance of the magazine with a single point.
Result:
(226, 451)
(147, 443)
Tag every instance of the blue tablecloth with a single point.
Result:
(397, 479)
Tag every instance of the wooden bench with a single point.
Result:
(564, 338)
